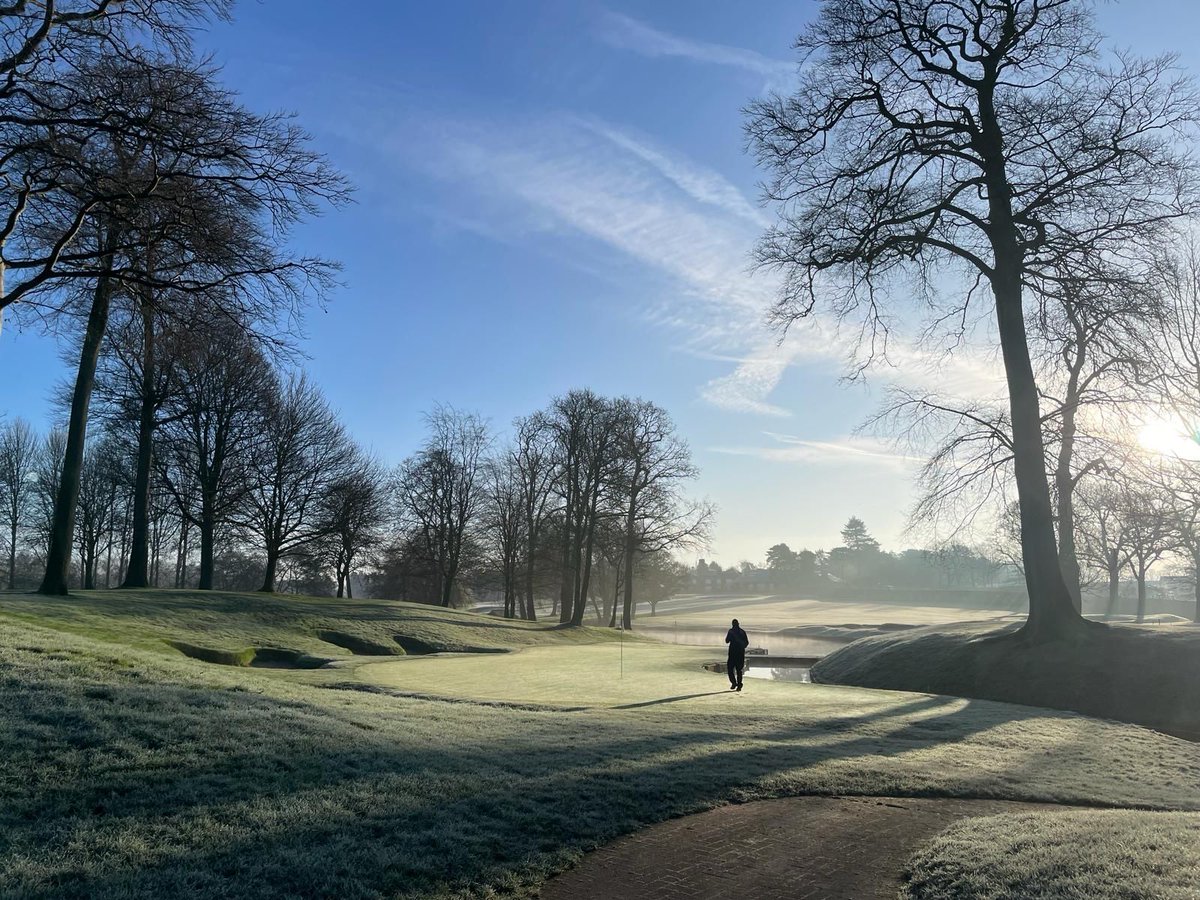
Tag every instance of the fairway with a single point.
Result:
(133, 770)
(607, 675)
(775, 611)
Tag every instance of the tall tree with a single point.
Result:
(440, 493)
(533, 459)
(653, 465)
(42, 47)
(215, 422)
(354, 510)
(18, 460)
(992, 138)
(301, 451)
(182, 138)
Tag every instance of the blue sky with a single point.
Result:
(553, 195)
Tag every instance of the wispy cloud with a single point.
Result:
(628, 33)
(854, 451)
(555, 178)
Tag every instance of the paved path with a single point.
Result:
(800, 848)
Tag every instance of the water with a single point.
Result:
(774, 644)
(757, 666)
(779, 673)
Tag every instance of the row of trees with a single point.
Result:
(859, 560)
(144, 202)
(254, 478)
(583, 498)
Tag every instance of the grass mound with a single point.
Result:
(224, 627)
(1141, 674)
(1100, 855)
(359, 646)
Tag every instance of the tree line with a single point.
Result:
(256, 484)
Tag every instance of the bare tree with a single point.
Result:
(18, 461)
(504, 522)
(988, 137)
(584, 427)
(440, 492)
(215, 422)
(183, 138)
(354, 511)
(1147, 530)
(654, 462)
(533, 458)
(42, 46)
(301, 451)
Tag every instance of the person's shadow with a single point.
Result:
(669, 699)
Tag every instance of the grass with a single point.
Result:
(229, 627)
(132, 770)
(1098, 855)
(781, 611)
(1148, 675)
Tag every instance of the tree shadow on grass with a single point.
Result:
(236, 794)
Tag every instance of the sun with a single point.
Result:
(1166, 438)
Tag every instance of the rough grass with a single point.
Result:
(227, 627)
(1096, 855)
(1149, 675)
(135, 771)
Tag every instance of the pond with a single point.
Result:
(775, 644)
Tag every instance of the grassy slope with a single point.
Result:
(1144, 674)
(1061, 856)
(134, 771)
(233, 622)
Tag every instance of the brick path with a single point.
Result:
(800, 848)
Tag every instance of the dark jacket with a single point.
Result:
(738, 641)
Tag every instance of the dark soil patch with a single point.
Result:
(283, 658)
(417, 647)
(359, 646)
(214, 655)
(255, 657)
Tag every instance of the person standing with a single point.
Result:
(738, 641)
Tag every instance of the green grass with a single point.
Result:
(228, 627)
(132, 770)
(1149, 675)
(1097, 855)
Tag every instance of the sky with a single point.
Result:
(556, 195)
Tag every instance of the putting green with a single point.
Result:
(599, 675)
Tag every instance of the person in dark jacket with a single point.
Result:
(738, 641)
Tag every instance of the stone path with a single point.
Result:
(801, 848)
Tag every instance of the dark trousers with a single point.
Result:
(737, 662)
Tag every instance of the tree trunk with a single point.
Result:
(627, 611)
(1196, 577)
(1196, 588)
(566, 592)
(1114, 589)
(62, 529)
(208, 528)
(1064, 484)
(12, 556)
(1052, 612)
(268, 585)
(530, 608)
(138, 574)
(1141, 600)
